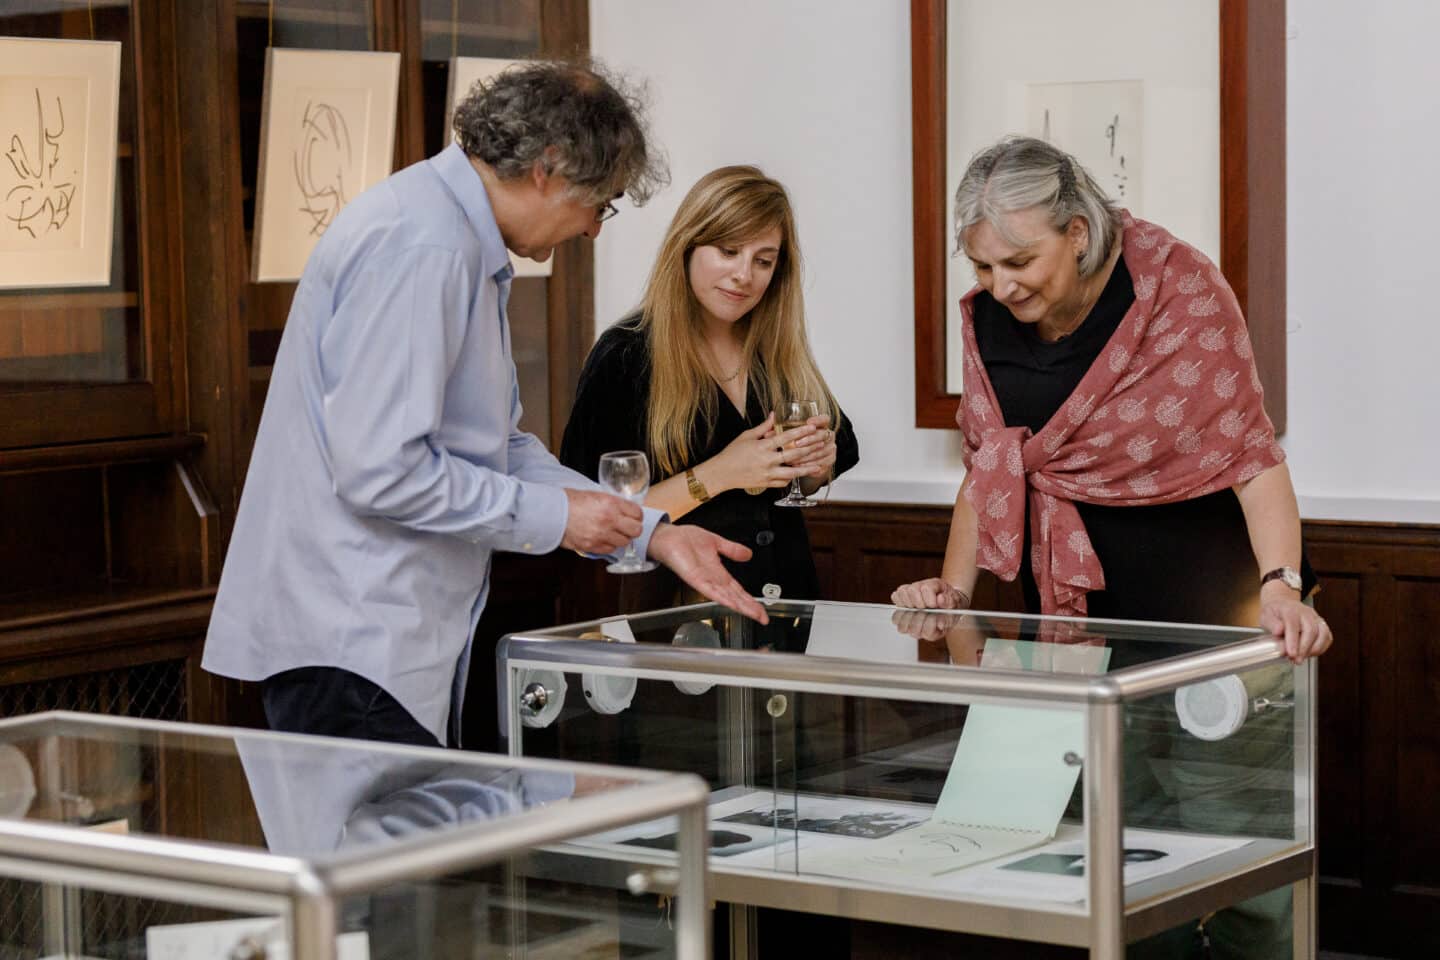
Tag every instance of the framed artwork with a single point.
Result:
(327, 133)
(1177, 108)
(464, 72)
(59, 109)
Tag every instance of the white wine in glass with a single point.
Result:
(626, 473)
(789, 415)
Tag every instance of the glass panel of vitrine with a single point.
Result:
(318, 800)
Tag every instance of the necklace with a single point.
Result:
(714, 360)
(733, 375)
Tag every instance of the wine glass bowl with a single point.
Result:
(626, 473)
(788, 415)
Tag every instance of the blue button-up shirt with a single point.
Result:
(389, 464)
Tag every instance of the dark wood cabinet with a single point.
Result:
(128, 411)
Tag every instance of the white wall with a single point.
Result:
(1363, 195)
(818, 93)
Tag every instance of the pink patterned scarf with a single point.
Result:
(1172, 409)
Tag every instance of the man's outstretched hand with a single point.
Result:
(694, 554)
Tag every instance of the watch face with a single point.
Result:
(1286, 575)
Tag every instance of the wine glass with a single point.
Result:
(789, 415)
(626, 473)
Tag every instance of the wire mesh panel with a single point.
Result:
(153, 691)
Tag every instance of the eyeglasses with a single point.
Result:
(605, 211)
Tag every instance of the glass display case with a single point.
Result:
(1088, 783)
(127, 838)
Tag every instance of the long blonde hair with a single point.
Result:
(728, 205)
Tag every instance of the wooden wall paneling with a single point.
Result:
(158, 192)
(1379, 760)
(216, 260)
(42, 551)
(397, 27)
(864, 551)
(570, 297)
(410, 120)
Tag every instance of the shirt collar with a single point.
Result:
(454, 167)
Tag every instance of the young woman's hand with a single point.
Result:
(817, 457)
(759, 458)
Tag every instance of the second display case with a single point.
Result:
(1089, 783)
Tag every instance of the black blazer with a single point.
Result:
(610, 413)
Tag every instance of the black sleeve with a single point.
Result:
(610, 401)
(847, 448)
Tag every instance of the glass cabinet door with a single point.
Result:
(91, 362)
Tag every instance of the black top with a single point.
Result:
(610, 413)
(1186, 562)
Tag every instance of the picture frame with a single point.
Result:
(465, 72)
(327, 133)
(59, 115)
(1251, 172)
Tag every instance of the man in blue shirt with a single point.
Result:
(389, 465)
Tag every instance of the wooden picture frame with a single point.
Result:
(1252, 195)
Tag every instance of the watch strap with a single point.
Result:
(1289, 575)
(696, 488)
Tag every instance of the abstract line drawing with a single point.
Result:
(1100, 123)
(327, 134)
(38, 203)
(59, 153)
(322, 162)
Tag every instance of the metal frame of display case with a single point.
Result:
(1107, 922)
(232, 878)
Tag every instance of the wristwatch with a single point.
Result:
(696, 488)
(1289, 575)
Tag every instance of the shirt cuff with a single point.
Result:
(541, 512)
(653, 519)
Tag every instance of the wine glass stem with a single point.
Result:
(630, 552)
(795, 492)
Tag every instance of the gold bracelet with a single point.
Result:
(696, 488)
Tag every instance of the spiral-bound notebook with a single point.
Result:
(1009, 783)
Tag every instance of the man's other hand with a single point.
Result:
(694, 554)
(600, 523)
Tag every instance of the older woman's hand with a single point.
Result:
(932, 594)
(1305, 632)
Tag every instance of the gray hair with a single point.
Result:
(1019, 173)
(578, 120)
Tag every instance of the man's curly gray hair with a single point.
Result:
(577, 119)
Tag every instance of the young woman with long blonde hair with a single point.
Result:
(695, 376)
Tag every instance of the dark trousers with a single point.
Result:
(331, 702)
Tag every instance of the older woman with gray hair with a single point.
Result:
(1118, 455)
(389, 466)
